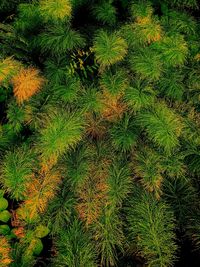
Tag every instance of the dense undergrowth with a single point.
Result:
(99, 133)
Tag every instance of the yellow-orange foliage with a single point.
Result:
(197, 57)
(55, 9)
(113, 107)
(40, 191)
(149, 28)
(19, 232)
(46, 166)
(5, 250)
(154, 186)
(143, 20)
(15, 222)
(92, 196)
(152, 32)
(95, 126)
(27, 83)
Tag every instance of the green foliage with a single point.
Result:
(192, 158)
(104, 159)
(56, 70)
(109, 237)
(77, 165)
(179, 193)
(147, 32)
(13, 43)
(147, 166)
(5, 216)
(173, 50)
(173, 166)
(41, 231)
(37, 247)
(193, 229)
(140, 95)
(19, 258)
(183, 3)
(7, 139)
(59, 39)
(146, 27)
(109, 48)
(31, 247)
(60, 210)
(171, 85)
(61, 131)
(16, 116)
(1, 193)
(180, 22)
(151, 226)
(90, 100)
(74, 248)
(119, 184)
(3, 204)
(147, 64)
(193, 83)
(114, 83)
(28, 18)
(6, 6)
(141, 9)
(16, 171)
(105, 12)
(162, 126)
(66, 89)
(4, 229)
(124, 134)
